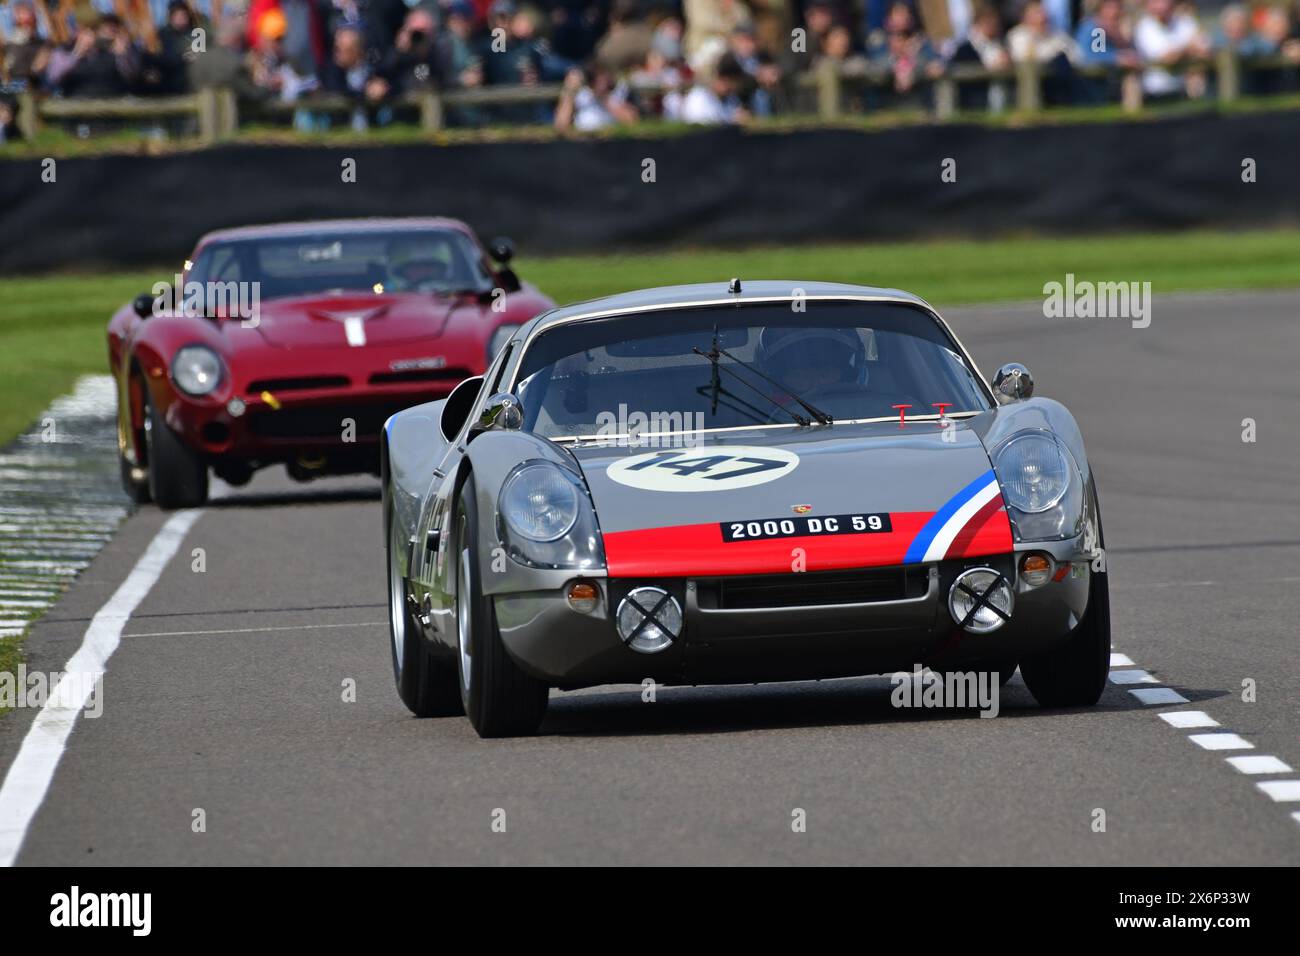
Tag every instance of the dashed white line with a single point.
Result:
(1256, 764)
(1282, 791)
(1132, 677)
(1159, 695)
(1188, 719)
(1221, 741)
(1121, 660)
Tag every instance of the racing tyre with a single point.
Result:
(426, 684)
(178, 478)
(1074, 675)
(499, 698)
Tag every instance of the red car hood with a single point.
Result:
(350, 319)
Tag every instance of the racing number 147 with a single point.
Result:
(707, 463)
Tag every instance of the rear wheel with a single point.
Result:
(426, 684)
(178, 478)
(499, 698)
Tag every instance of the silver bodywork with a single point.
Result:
(912, 471)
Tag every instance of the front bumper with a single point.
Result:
(285, 425)
(743, 630)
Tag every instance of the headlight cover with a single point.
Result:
(1041, 485)
(545, 518)
(196, 370)
(499, 339)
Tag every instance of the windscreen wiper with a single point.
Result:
(714, 356)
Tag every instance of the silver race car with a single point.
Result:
(714, 484)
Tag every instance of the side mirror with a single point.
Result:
(501, 413)
(460, 402)
(1012, 383)
(143, 305)
(501, 249)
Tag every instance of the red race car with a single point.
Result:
(293, 343)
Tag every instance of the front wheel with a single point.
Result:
(178, 478)
(499, 698)
(1074, 675)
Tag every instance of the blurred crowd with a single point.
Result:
(696, 61)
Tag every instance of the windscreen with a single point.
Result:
(435, 260)
(753, 365)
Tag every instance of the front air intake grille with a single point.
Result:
(300, 384)
(321, 422)
(453, 375)
(813, 589)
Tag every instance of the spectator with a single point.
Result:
(1035, 39)
(903, 52)
(708, 25)
(592, 100)
(223, 64)
(349, 71)
(23, 54)
(1104, 38)
(165, 69)
(819, 18)
(1165, 37)
(627, 41)
(99, 62)
(459, 65)
(981, 43)
(981, 46)
(715, 101)
(511, 59)
(412, 63)
(575, 29)
(269, 69)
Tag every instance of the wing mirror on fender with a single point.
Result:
(501, 413)
(1013, 383)
(143, 305)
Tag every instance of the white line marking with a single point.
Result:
(33, 768)
(25, 603)
(256, 630)
(1253, 764)
(1189, 719)
(1159, 695)
(1132, 677)
(1121, 660)
(1282, 791)
(1221, 741)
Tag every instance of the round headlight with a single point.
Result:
(196, 370)
(539, 503)
(1034, 472)
(499, 339)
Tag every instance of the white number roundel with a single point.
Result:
(709, 468)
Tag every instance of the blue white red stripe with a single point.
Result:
(933, 540)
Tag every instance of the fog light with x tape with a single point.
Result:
(980, 600)
(649, 620)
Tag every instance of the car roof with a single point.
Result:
(717, 293)
(312, 226)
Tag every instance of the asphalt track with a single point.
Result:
(225, 693)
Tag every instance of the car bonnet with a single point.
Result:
(778, 500)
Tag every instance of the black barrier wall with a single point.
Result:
(714, 187)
